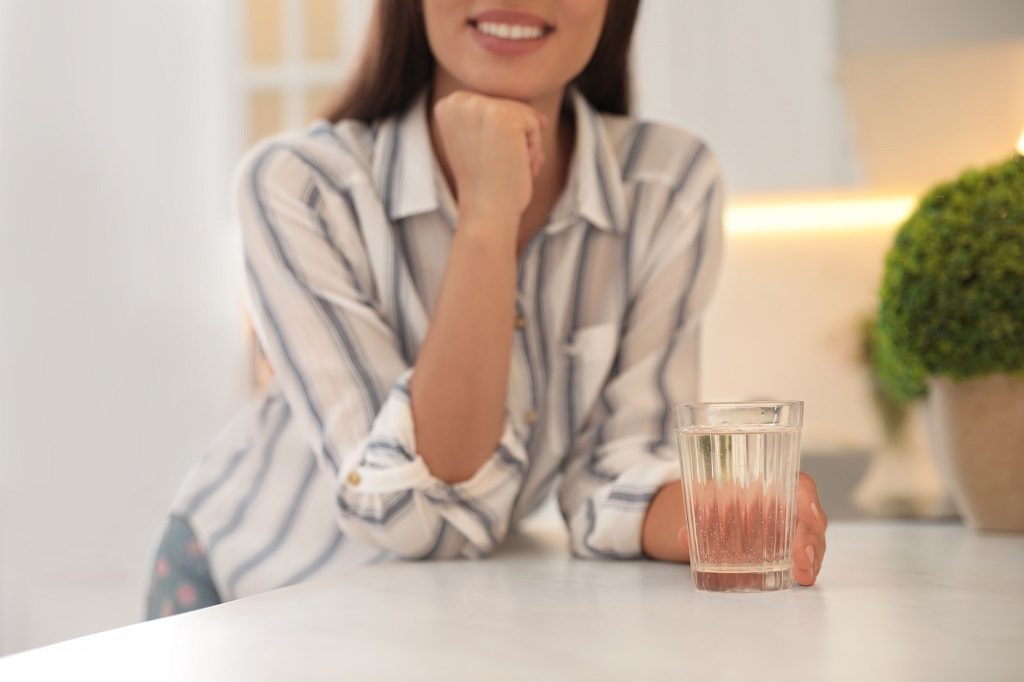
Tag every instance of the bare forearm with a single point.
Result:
(662, 524)
(460, 383)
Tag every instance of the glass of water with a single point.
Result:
(740, 463)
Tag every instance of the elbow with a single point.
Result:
(454, 455)
(401, 523)
(455, 465)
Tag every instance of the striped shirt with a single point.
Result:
(346, 230)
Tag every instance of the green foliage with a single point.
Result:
(952, 296)
(906, 382)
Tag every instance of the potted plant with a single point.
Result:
(951, 325)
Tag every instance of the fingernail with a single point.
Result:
(809, 550)
(814, 510)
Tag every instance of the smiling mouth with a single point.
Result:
(510, 31)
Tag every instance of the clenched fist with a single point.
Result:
(494, 149)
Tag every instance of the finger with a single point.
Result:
(809, 507)
(804, 557)
(805, 478)
(803, 575)
(808, 553)
(809, 513)
(821, 558)
(536, 122)
(534, 148)
(533, 123)
(806, 483)
(537, 161)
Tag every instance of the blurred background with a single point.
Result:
(125, 346)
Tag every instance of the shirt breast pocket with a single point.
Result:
(589, 358)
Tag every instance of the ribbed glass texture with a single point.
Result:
(740, 463)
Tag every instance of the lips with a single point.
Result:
(511, 17)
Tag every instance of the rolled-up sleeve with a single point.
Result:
(628, 452)
(340, 366)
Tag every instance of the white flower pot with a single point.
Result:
(977, 432)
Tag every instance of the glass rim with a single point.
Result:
(741, 403)
(738, 415)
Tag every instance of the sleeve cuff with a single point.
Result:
(609, 523)
(387, 464)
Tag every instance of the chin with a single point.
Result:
(499, 87)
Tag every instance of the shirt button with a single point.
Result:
(531, 417)
(354, 478)
(520, 321)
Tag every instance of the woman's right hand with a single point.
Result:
(493, 146)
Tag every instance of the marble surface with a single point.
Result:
(895, 601)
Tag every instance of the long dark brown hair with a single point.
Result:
(396, 63)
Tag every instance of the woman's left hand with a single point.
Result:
(809, 539)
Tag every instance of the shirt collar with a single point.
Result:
(409, 179)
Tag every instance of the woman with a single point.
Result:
(479, 278)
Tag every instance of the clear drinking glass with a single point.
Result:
(740, 463)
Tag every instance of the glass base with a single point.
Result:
(743, 581)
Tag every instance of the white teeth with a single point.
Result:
(510, 32)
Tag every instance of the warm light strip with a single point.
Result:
(1020, 144)
(801, 216)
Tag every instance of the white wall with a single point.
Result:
(758, 80)
(785, 323)
(121, 345)
(934, 86)
(887, 26)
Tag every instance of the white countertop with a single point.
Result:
(895, 601)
